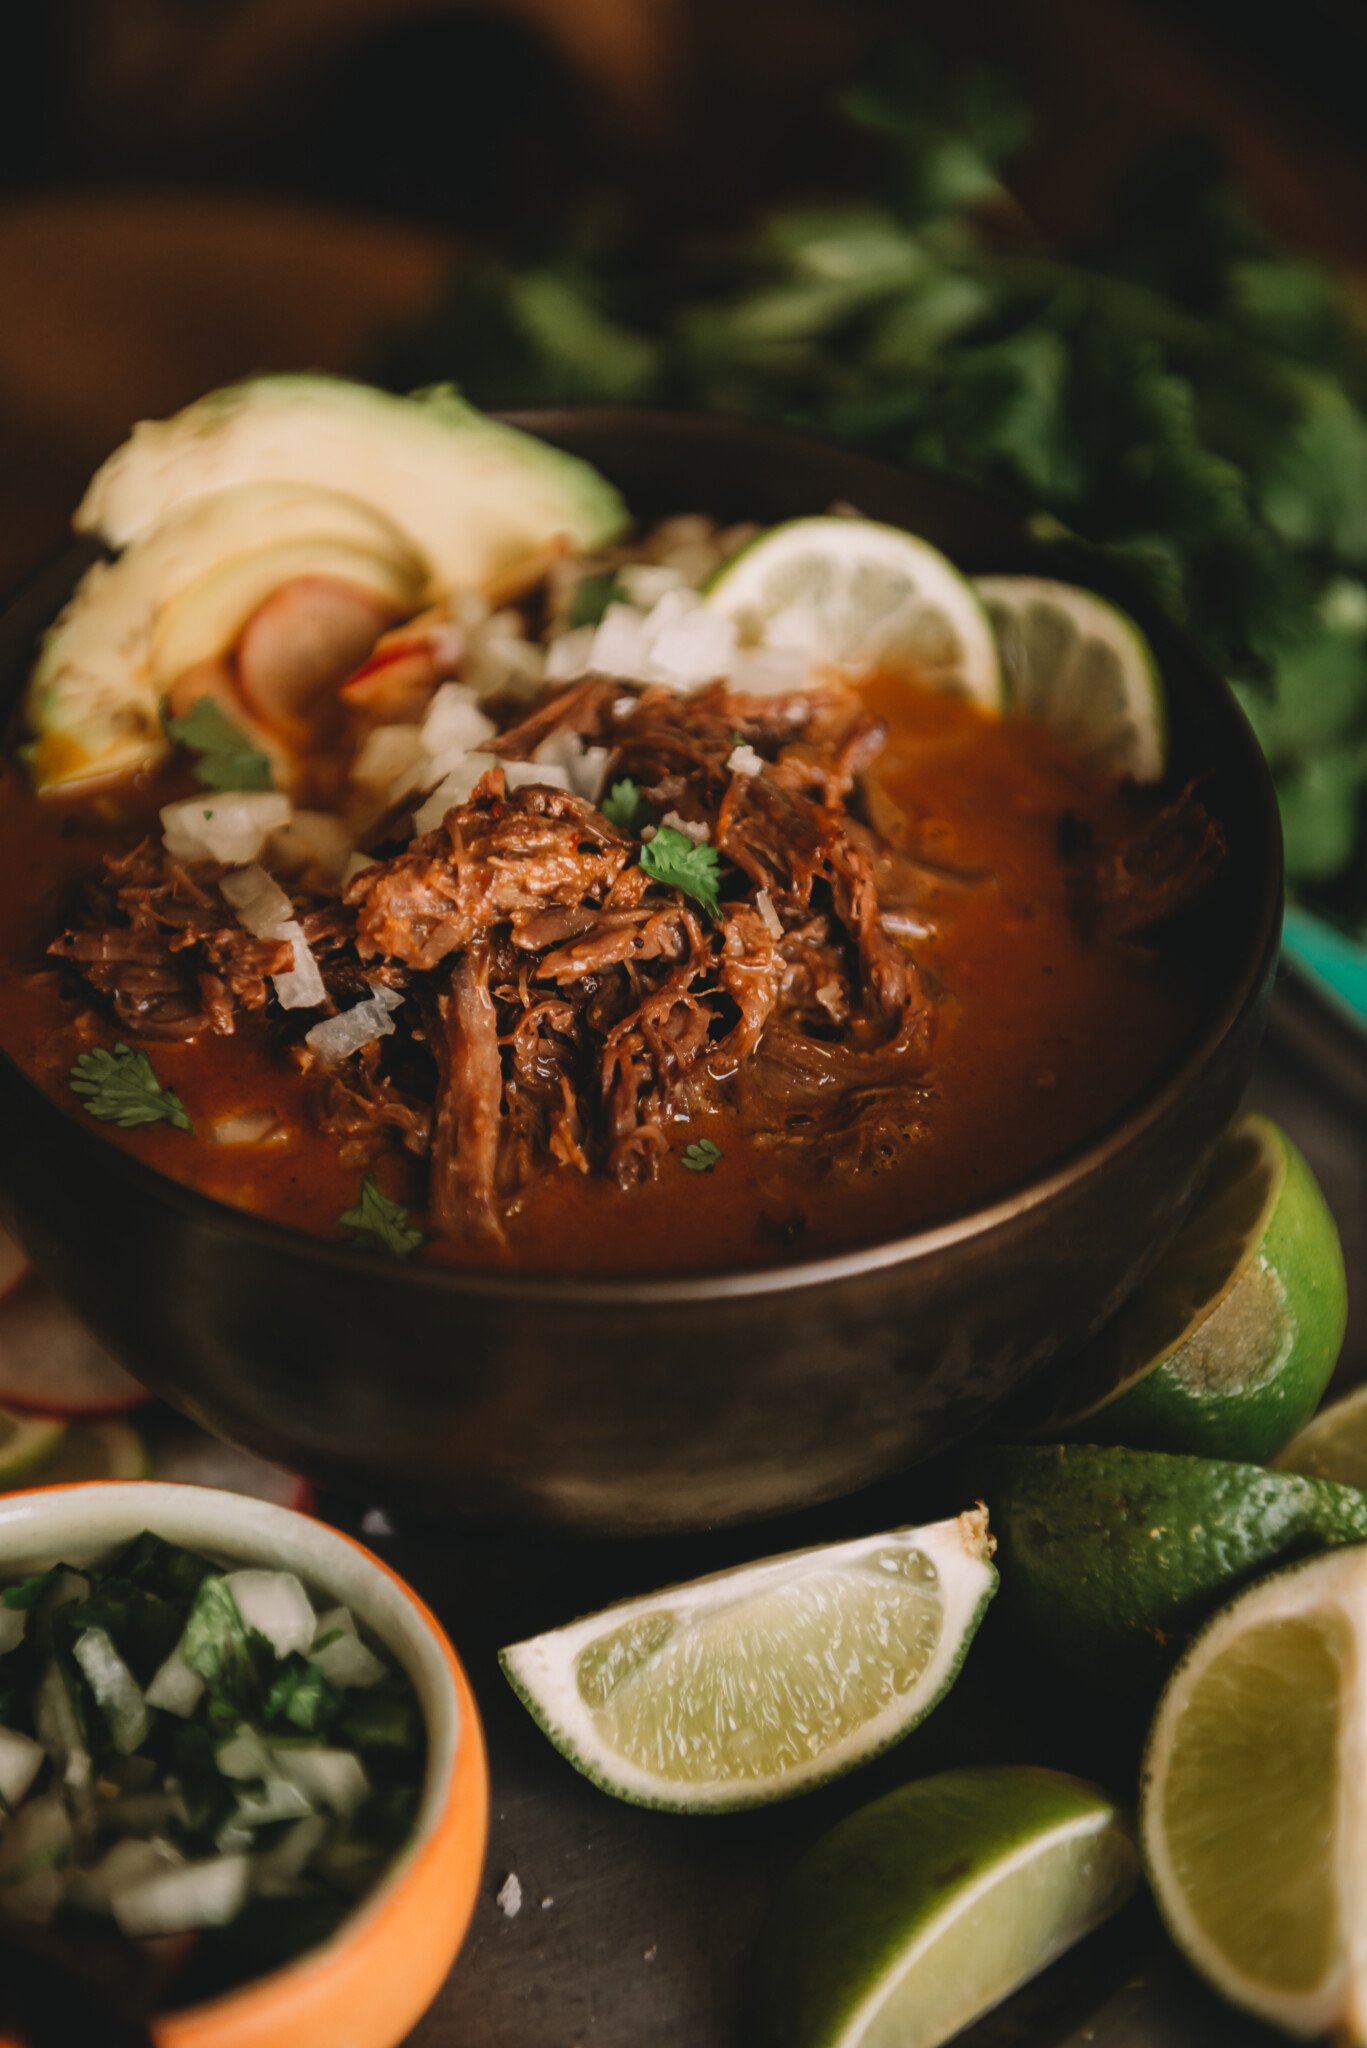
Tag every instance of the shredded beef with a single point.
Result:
(562, 1008)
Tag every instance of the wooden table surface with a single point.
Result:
(633, 1926)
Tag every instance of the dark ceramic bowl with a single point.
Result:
(663, 1404)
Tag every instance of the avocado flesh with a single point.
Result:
(94, 699)
(474, 496)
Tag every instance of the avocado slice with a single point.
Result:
(474, 496)
(274, 478)
(95, 694)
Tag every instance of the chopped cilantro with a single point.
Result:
(702, 1156)
(626, 808)
(225, 756)
(28, 1592)
(303, 1697)
(671, 857)
(119, 1087)
(378, 1215)
(592, 596)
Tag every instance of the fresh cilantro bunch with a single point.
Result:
(1178, 390)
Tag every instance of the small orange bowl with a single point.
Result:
(370, 1983)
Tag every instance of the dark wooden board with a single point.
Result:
(634, 1926)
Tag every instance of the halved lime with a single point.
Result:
(1254, 1805)
(1227, 1347)
(850, 593)
(1333, 1445)
(764, 1681)
(927, 1908)
(92, 1449)
(1081, 667)
(1111, 1559)
(25, 1440)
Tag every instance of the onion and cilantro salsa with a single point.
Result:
(446, 869)
(196, 1751)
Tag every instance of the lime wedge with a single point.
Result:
(1112, 1558)
(927, 1908)
(757, 1683)
(1333, 1446)
(849, 593)
(93, 1449)
(25, 1440)
(1253, 1815)
(1081, 667)
(1227, 1347)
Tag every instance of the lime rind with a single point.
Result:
(547, 1672)
(1082, 667)
(1329, 1594)
(25, 1442)
(854, 593)
(928, 1907)
(1226, 1348)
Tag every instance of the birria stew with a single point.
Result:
(399, 853)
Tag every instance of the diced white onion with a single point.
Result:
(357, 863)
(388, 755)
(336, 1038)
(340, 1654)
(770, 671)
(585, 766)
(278, 1869)
(276, 1606)
(454, 719)
(304, 988)
(177, 1687)
(246, 1127)
(13, 1622)
(126, 1864)
(645, 583)
(192, 1895)
(228, 825)
(260, 904)
(695, 829)
(764, 904)
(333, 1778)
(524, 774)
(680, 641)
(453, 789)
(743, 760)
(619, 643)
(570, 655)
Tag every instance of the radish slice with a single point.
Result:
(393, 686)
(303, 643)
(50, 1363)
(13, 1264)
(197, 1459)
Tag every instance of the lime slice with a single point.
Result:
(761, 1682)
(1333, 1446)
(1082, 668)
(927, 1908)
(1227, 1347)
(93, 1449)
(1111, 1558)
(1254, 1809)
(852, 594)
(25, 1440)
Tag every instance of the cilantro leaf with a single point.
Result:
(702, 1156)
(304, 1697)
(119, 1087)
(378, 1215)
(225, 756)
(28, 1592)
(625, 807)
(672, 858)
